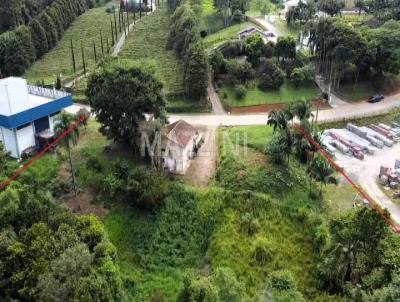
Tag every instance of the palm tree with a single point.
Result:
(277, 119)
(321, 171)
(302, 109)
(63, 123)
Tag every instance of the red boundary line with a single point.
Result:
(372, 203)
(41, 153)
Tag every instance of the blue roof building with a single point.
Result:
(26, 111)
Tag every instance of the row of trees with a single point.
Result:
(20, 47)
(338, 46)
(185, 40)
(14, 13)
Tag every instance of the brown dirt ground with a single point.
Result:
(202, 167)
(83, 204)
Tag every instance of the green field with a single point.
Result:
(84, 31)
(255, 96)
(229, 33)
(147, 43)
(367, 87)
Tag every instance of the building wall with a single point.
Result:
(26, 138)
(13, 96)
(9, 142)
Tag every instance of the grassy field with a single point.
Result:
(229, 33)
(367, 87)
(84, 31)
(147, 43)
(255, 96)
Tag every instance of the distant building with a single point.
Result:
(265, 35)
(180, 141)
(26, 112)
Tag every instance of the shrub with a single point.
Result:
(297, 77)
(218, 62)
(240, 92)
(110, 7)
(272, 76)
(261, 250)
(232, 49)
(282, 280)
(238, 16)
(303, 75)
(239, 72)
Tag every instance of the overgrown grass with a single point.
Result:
(147, 43)
(84, 31)
(255, 96)
(203, 229)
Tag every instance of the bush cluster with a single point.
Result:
(20, 47)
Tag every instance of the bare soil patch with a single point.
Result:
(83, 204)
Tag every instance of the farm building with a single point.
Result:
(27, 113)
(179, 144)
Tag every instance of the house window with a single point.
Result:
(23, 126)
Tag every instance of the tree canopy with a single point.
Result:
(120, 95)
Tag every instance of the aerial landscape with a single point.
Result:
(200, 150)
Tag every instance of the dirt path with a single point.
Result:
(203, 167)
(216, 104)
(122, 39)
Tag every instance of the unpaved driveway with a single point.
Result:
(365, 173)
(203, 167)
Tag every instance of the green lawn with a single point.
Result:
(84, 31)
(147, 44)
(255, 96)
(229, 33)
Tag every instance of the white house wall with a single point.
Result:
(9, 142)
(26, 138)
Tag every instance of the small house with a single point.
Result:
(27, 112)
(180, 142)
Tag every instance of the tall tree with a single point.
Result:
(121, 95)
(196, 72)
(62, 124)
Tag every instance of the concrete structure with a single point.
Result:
(180, 142)
(26, 111)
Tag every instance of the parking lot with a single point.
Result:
(364, 167)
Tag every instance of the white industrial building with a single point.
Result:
(26, 112)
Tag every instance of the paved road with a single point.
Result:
(335, 114)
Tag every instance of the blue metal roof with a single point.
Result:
(33, 114)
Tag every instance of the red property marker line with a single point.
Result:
(41, 153)
(372, 203)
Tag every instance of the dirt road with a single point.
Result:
(202, 168)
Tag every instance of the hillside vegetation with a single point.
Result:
(84, 32)
(147, 43)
